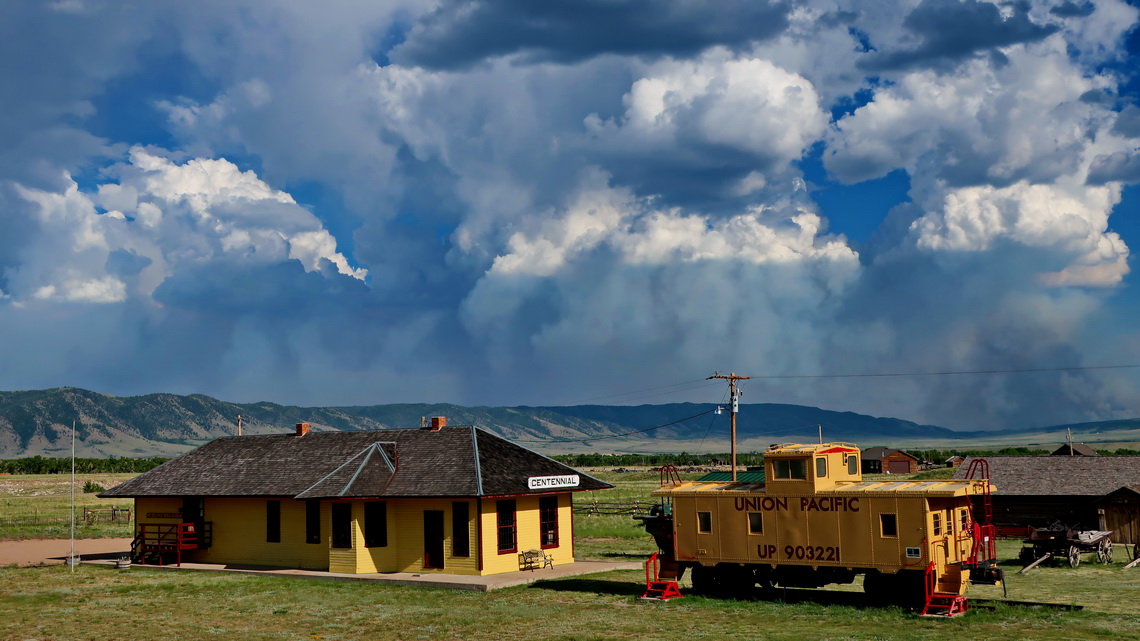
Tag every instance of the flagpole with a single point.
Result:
(71, 559)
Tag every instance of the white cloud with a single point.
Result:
(748, 104)
(1072, 221)
(171, 215)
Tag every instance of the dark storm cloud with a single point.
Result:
(951, 31)
(1128, 122)
(1073, 10)
(1117, 167)
(463, 32)
(124, 262)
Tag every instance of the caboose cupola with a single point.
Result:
(796, 468)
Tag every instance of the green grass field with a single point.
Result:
(38, 506)
(103, 603)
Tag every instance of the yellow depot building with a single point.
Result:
(453, 500)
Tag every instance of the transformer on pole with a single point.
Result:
(735, 407)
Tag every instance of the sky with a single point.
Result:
(508, 202)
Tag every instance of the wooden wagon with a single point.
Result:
(1059, 541)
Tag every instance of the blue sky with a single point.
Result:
(509, 202)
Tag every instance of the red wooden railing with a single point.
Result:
(159, 539)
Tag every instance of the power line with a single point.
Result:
(950, 373)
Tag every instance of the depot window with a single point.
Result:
(755, 523)
(507, 526)
(548, 521)
(273, 521)
(312, 521)
(460, 529)
(820, 468)
(790, 469)
(704, 522)
(375, 524)
(342, 525)
(889, 525)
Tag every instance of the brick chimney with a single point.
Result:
(438, 423)
(302, 429)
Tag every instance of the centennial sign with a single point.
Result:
(552, 482)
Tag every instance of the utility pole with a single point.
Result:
(735, 395)
(239, 425)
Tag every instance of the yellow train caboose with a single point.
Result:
(814, 521)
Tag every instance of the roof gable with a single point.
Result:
(366, 474)
(1076, 449)
(880, 452)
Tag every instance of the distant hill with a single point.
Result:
(39, 422)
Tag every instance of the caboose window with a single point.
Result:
(852, 465)
(937, 524)
(820, 468)
(755, 523)
(790, 468)
(704, 522)
(889, 524)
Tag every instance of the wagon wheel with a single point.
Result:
(1074, 556)
(1104, 551)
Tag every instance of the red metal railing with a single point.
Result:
(159, 539)
(655, 587)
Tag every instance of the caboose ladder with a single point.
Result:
(941, 604)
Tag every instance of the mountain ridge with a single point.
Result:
(162, 424)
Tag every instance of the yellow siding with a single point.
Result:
(239, 535)
(528, 534)
(406, 533)
(147, 510)
(239, 528)
(349, 560)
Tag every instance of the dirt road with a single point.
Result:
(48, 551)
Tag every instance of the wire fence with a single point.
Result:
(613, 507)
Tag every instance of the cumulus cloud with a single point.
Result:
(748, 105)
(659, 283)
(1023, 120)
(158, 218)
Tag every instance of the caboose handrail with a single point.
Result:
(669, 472)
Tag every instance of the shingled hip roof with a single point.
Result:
(460, 461)
(1059, 475)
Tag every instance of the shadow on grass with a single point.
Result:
(622, 556)
(593, 586)
(618, 587)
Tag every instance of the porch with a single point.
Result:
(160, 543)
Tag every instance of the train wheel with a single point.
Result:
(704, 580)
(1074, 556)
(765, 580)
(735, 581)
(904, 588)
